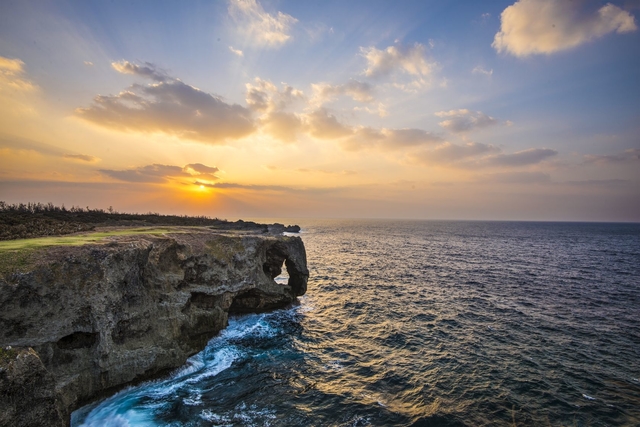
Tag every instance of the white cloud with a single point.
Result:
(88, 63)
(282, 125)
(388, 139)
(147, 70)
(325, 92)
(263, 28)
(264, 96)
(396, 60)
(236, 51)
(324, 125)
(546, 26)
(169, 106)
(11, 71)
(481, 70)
(380, 110)
(464, 120)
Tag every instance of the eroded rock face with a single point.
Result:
(27, 391)
(105, 315)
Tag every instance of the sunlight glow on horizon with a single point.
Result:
(473, 112)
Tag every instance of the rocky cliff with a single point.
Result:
(127, 308)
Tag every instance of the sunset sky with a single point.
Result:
(526, 110)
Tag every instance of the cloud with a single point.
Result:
(630, 155)
(475, 155)
(389, 139)
(602, 183)
(169, 106)
(11, 71)
(531, 27)
(236, 51)
(400, 60)
(521, 158)
(199, 168)
(264, 96)
(325, 92)
(82, 157)
(281, 125)
(17, 143)
(158, 173)
(464, 120)
(448, 153)
(324, 125)
(481, 70)
(263, 28)
(88, 63)
(380, 110)
(273, 188)
(147, 70)
(517, 178)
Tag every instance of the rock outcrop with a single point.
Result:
(101, 316)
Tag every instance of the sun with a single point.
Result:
(202, 187)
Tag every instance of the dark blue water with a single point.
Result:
(424, 324)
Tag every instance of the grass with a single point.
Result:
(18, 255)
(78, 239)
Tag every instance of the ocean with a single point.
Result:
(424, 323)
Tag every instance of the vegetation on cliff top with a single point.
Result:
(23, 221)
(31, 220)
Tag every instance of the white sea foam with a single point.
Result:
(209, 415)
(194, 400)
(588, 397)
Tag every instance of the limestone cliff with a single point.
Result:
(130, 307)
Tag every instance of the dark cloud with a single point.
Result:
(630, 155)
(172, 107)
(200, 168)
(476, 155)
(602, 183)
(158, 173)
(451, 153)
(275, 188)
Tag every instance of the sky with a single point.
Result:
(465, 110)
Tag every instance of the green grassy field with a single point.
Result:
(17, 255)
(78, 239)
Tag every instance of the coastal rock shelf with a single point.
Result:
(84, 321)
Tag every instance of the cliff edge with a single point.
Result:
(80, 321)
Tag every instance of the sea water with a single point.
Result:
(424, 323)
